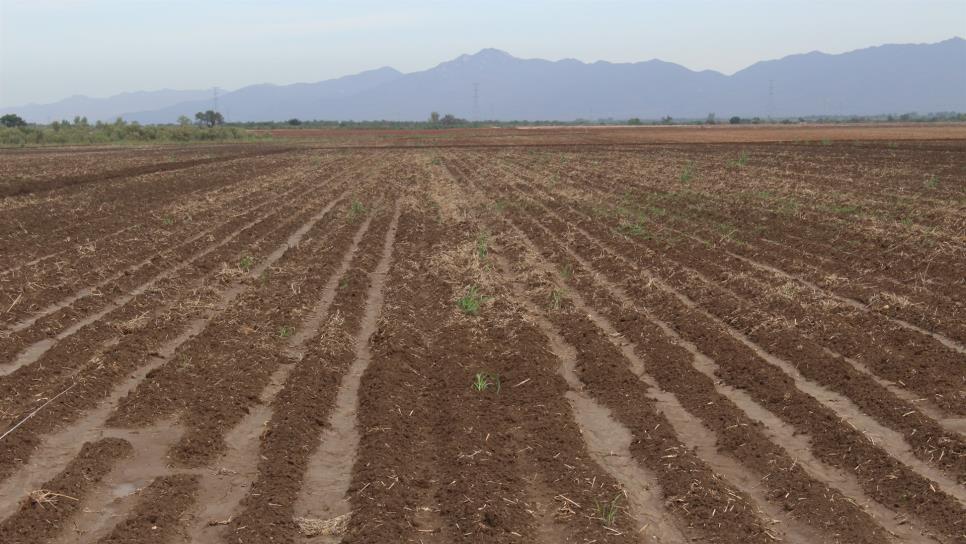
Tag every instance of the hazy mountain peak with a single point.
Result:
(493, 84)
(491, 53)
(483, 56)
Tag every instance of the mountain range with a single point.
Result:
(495, 85)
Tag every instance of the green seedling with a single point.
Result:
(246, 263)
(437, 161)
(688, 173)
(741, 160)
(168, 220)
(483, 381)
(826, 141)
(932, 182)
(845, 209)
(482, 247)
(263, 278)
(607, 511)
(637, 228)
(285, 331)
(556, 299)
(471, 302)
(356, 209)
(567, 271)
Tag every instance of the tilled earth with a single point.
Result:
(681, 342)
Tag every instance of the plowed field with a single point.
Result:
(530, 339)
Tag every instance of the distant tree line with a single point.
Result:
(211, 126)
(15, 132)
(436, 120)
(712, 119)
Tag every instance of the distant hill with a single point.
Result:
(492, 84)
(275, 102)
(104, 109)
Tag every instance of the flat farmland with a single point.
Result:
(546, 336)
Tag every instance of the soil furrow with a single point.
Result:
(133, 322)
(241, 226)
(282, 428)
(36, 350)
(689, 435)
(217, 483)
(899, 354)
(249, 337)
(927, 436)
(156, 514)
(125, 357)
(457, 477)
(851, 394)
(48, 509)
(30, 188)
(746, 443)
(72, 221)
(610, 442)
(96, 283)
(824, 496)
(840, 444)
(329, 470)
(658, 211)
(855, 303)
(553, 335)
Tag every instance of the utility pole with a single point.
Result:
(476, 101)
(771, 99)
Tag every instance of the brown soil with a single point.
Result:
(667, 334)
(47, 510)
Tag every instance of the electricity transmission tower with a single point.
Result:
(476, 101)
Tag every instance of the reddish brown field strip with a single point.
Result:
(506, 336)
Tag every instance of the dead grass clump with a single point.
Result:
(311, 527)
(789, 290)
(45, 498)
(463, 264)
(886, 299)
(834, 280)
(229, 273)
(134, 324)
(333, 337)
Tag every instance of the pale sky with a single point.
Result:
(51, 49)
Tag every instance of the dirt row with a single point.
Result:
(447, 463)
(46, 225)
(741, 362)
(908, 357)
(91, 301)
(179, 297)
(739, 435)
(923, 432)
(657, 205)
(27, 187)
(259, 279)
(97, 358)
(172, 223)
(451, 345)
